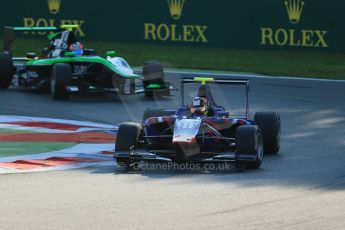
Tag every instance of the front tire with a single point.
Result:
(6, 70)
(127, 137)
(60, 78)
(249, 141)
(269, 123)
(159, 112)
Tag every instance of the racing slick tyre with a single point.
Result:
(249, 142)
(127, 137)
(61, 76)
(153, 113)
(154, 74)
(6, 70)
(269, 123)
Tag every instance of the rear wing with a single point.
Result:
(10, 33)
(204, 81)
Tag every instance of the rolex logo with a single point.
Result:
(294, 9)
(176, 7)
(54, 6)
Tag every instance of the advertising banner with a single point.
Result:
(266, 24)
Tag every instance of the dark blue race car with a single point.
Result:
(201, 130)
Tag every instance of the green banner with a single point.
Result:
(271, 24)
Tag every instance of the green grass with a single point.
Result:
(271, 62)
(14, 131)
(9, 149)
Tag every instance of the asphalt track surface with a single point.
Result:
(301, 188)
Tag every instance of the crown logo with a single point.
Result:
(54, 6)
(294, 9)
(176, 7)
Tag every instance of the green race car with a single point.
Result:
(66, 67)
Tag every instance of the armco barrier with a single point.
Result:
(287, 24)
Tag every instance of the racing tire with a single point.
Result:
(153, 74)
(269, 123)
(249, 141)
(148, 93)
(127, 137)
(61, 77)
(6, 70)
(159, 112)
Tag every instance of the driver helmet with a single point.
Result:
(77, 48)
(199, 106)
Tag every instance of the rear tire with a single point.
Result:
(127, 136)
(60, 78)
(269, 123)
(154, 74)
(153, 113)
(6, 70)
(249, 141)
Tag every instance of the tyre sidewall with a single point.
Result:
(127, 136)
(61, 77)
(249, 141)
(269, 123)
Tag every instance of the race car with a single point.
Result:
(67, 67)
(201, 130)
